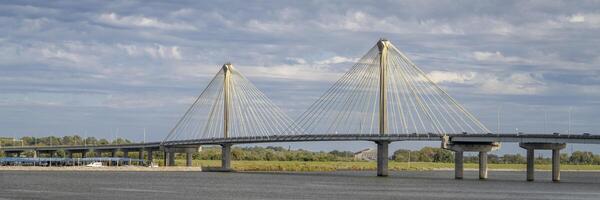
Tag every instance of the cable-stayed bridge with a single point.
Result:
(383, 98)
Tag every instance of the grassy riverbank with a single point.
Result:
(357, 165)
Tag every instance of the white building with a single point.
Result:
(366, 154)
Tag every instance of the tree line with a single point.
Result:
(57, 141)
(426, 154)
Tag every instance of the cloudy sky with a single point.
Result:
(114, 68)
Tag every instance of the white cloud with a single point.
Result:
(515, 84)
(493, 57)
(141, 21)
(54, 52)
(451, 77)
(154, 51)
(337, 60)
(577, 18)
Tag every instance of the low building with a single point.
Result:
(366, 154)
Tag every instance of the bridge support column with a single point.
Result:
(555, 147)
(556, 165)
(226, 157)
(126, 155)
(140, 157)
(482, 147)
(382, 158)
(483, 165)
(458, 165)
(188, 159)
(150, 156)
(172, 159)
(189, 153)
(169, 157)
(530, 164)
(35, 154)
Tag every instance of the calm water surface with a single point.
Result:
(334, 185)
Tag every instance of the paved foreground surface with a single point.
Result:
(334, 185)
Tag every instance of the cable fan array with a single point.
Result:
(413, 102)
(230, 106)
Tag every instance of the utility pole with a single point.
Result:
(144, 136)
(570, 118)
(498, 129)
(545, 121)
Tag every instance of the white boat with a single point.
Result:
(94, 164)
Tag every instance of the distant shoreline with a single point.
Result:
(310, 166)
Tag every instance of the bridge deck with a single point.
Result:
(519, 138)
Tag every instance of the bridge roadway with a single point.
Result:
(459, 143)
(510, 138)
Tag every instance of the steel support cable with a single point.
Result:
(205, 102)
(354, 98)
(308, 116)
(183, 126)
(350, 94)
(276, 113)
(394, 102)
(210, 104)
(424, 107)
(212, 96)
(338, 108)
(256, 118)
(464, 110)
(419, 87)
(364, 96)
(405, 88)
(398, 103)
(336, 93)
(244, 107)
(371, 97)
(402, 99)
(239, 116)
(264, 104)
(270, 113)
(418, 104)
(210, 128)
(358, 97)
(187, 112)
(436, 96)
(251, 119)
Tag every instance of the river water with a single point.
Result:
(412, 185)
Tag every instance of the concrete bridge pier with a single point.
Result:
(189, 152)
(482, 147)
(169, 157)
(69, 154)
(458, 165)
(140, 157)
(555, 147)
(226, 157)
(125, 156)
(382, 158)
(150, 156)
